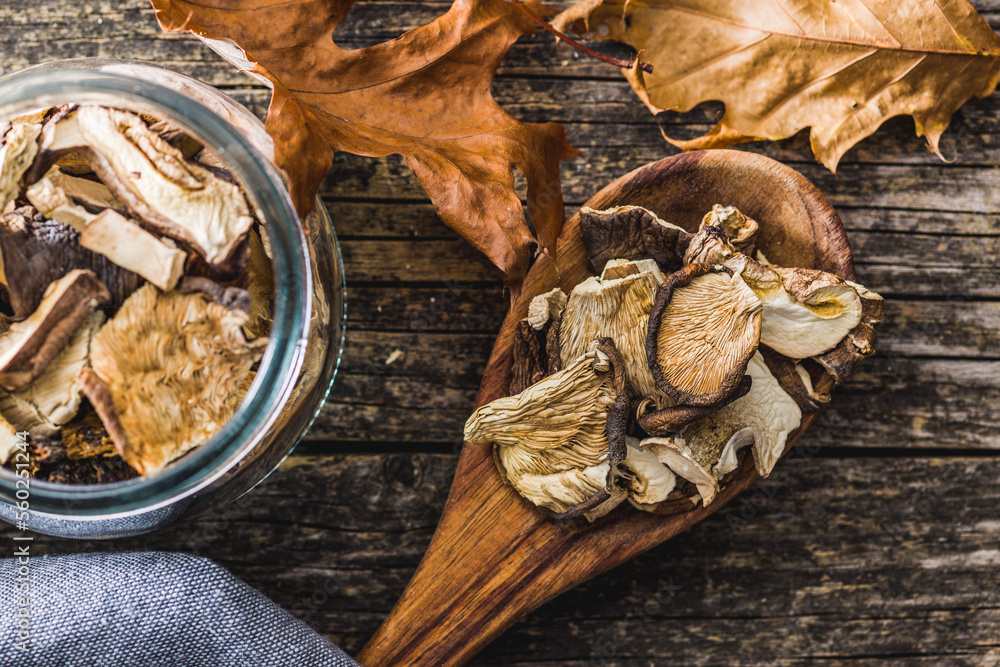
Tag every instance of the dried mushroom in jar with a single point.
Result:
(128, 336)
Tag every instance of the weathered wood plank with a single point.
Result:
(826, 560)
(896, 402)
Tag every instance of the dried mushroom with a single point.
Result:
(10, 441)
(44, 406)
(16, 155)
(168, 371)
(536, 342)
(559, 441)
(740, 231)
(260, 289)
(632, 232)
(134, 249)
(681, 461)
(646, 481)
(619, 309)
(27, 348)
(167, 193)
(703, 329)
(70, 200)
(764, 417)
(723, 354)
(36, 252)
(806, 312)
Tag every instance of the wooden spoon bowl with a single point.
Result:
(494, 556)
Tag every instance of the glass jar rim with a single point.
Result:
(81, 81)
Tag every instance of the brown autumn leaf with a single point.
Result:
(425, 95)
(841, 67)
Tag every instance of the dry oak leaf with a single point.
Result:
(425, 95)
(843, 67)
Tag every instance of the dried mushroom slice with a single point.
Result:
(619, 309)
(536, 351)
(168, 371)
(559, 441)
(37, 252)
(680, 460)
(740, 230)
(703, 329)
(672, 419)
(70, 200)
(646, 479)
(261, 289)
(632, 232)
(709, 246)
(134, 249)
(795, 379)
(53, 399)
(806, 312)
(843, 360)
(765, 417)
(28, 347)
(20, 146)
(546, 307)
(168, 194)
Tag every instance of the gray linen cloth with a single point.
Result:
(151, 609)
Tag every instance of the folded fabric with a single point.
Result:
(149, 609)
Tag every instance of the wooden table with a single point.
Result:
(877, 540)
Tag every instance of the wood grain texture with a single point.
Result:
(866, 561)
(494, 556)
(924, 235)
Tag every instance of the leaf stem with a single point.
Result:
(617, 62)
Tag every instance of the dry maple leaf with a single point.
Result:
(425, 95)
(842, 67)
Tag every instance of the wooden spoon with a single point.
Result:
(495, 557)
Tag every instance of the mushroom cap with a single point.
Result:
(806, 312)
(703, 329)
(738, 228)
(631, 232)
(619, 309)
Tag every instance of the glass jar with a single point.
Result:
(306, 341)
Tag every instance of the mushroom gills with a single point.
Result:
(168, 371)
(619, 309)
(704, 327)
(567, 431)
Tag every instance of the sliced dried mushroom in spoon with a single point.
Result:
(558, 442)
